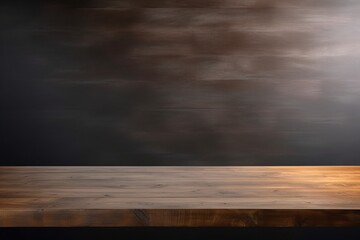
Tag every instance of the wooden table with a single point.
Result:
(179, 196)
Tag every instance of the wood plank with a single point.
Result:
(180, 196)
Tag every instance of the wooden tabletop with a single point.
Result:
(179, 196)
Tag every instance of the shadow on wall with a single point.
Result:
(180, 83)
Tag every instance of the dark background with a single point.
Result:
(171, 82)
(179, 233)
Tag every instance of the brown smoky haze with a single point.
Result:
(180, 82)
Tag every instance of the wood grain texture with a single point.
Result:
(179, 196)
(180, 82)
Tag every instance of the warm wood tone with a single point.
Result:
(179, 196)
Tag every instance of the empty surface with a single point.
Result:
(180, 82)
(179, 196)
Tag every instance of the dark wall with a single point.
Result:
(180, 82)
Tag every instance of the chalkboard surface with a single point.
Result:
(170, 82)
